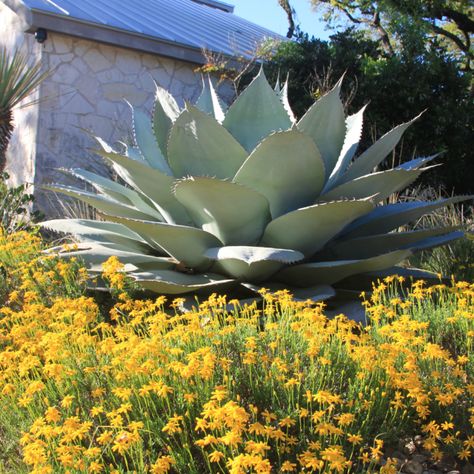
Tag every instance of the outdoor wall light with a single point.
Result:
(41, 35)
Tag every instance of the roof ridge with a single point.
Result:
(227, 7)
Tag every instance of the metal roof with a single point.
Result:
(190, 24)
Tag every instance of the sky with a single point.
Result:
(269, 14)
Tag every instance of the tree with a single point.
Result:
(18, 80)
(396, 23)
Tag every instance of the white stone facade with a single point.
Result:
(88, 88)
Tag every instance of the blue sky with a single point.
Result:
(269, 14)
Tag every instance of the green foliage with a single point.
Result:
(456, 259)
(15, 207)
(280, 388)
(249, 196)
(409, 24)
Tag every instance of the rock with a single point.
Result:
(408, 446)
(412, 467)
(397, 454)
(454, 472)
(418, 441)
(419, 458)
(468, 469)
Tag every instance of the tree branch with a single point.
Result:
(285, 4)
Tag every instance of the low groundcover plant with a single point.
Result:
(220, 390)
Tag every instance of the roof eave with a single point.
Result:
(115, 37)
(35, 19)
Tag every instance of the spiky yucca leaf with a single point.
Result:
(18, 79)
(249, 198)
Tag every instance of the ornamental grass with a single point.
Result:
(141, 387)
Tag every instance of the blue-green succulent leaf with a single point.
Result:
(233, 213)
(103, 185)
(155, 185)
(377, 153)
(256, 113)
(209, 102)
(378, 185)
(248, 263)
(185, 244)
(417, 163)
(330, 272)
(308, 229)
(325, 123)
(200, 146)
(176, 283)
(369, 246)
(114, 190)
(387, 218)
(165, 112)
(146, 142)
(88, 230)
(284, 100)
(287, 169)
(354, 125)
(103, 203)
(94, 254)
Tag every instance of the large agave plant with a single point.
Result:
(249, 197)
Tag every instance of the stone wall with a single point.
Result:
(88, 88)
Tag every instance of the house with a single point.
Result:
(101, 52)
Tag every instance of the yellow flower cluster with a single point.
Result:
(225, 388)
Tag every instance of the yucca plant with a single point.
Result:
(249, 197)
(18, 79)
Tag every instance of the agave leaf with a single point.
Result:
(369, 246)
(103, 185)
(374, 155)
(256, 113)
(200, 146)
(165, 112)
(417, 163)
(146, 141)
(378, 185)
(309, 228)
(103, 203)
(152, 183)
(334, 271)
(325, 123)
(233, 213)
(186, 244)
(277, 87)
(287, 169)
(315, 293)
(251, 263)
(93, 255)
(386, 218)
(283, 93)
(177, 283)
(87, 230)
(365, 281)
(209, 102)
(134, 153)
(114, 190)
(354, 125)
